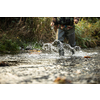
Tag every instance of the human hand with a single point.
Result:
(62, 26)
(52, 24)
(75, 21)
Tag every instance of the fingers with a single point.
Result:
(75, 21)
(52, 24)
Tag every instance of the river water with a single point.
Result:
(36, 67)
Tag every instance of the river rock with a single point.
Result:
(40, 69)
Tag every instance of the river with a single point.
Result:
(36, 67)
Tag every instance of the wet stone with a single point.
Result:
(28, 68)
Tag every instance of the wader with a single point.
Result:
(70, 35)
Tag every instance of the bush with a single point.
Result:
(36, 29)
(87, 34)
(8, 45)
(19, 32)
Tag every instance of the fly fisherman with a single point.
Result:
(65, 28)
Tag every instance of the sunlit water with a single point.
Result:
(56, 55)
(51, 51)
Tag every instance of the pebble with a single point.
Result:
(78, 71)
(36, 71)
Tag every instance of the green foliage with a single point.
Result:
(39, 28)
(19, 32)
(36, 45)
(8, 22)
(8, 45)
(87, 33)
(91, 19)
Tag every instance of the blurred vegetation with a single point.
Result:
(88, 32)
(18, 32)
(8, 45)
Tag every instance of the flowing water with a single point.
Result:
(37, 67)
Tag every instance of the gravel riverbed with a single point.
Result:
(26, 68)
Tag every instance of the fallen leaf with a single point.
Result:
(3, 64)
(60, 80)
(33, 50)
(87, 57)
(39, 51)
(57, 79)
(34, 53)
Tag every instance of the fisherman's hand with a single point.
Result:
(62, 26)
(52, 24)
(75, 21)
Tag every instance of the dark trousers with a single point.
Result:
(70, 35)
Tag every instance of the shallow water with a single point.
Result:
(67, 49)
(48, 56)
(81, 53)
(42, 68)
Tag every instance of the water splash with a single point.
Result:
(56, 45)
(51, 51)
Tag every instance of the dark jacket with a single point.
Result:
(65, 22)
